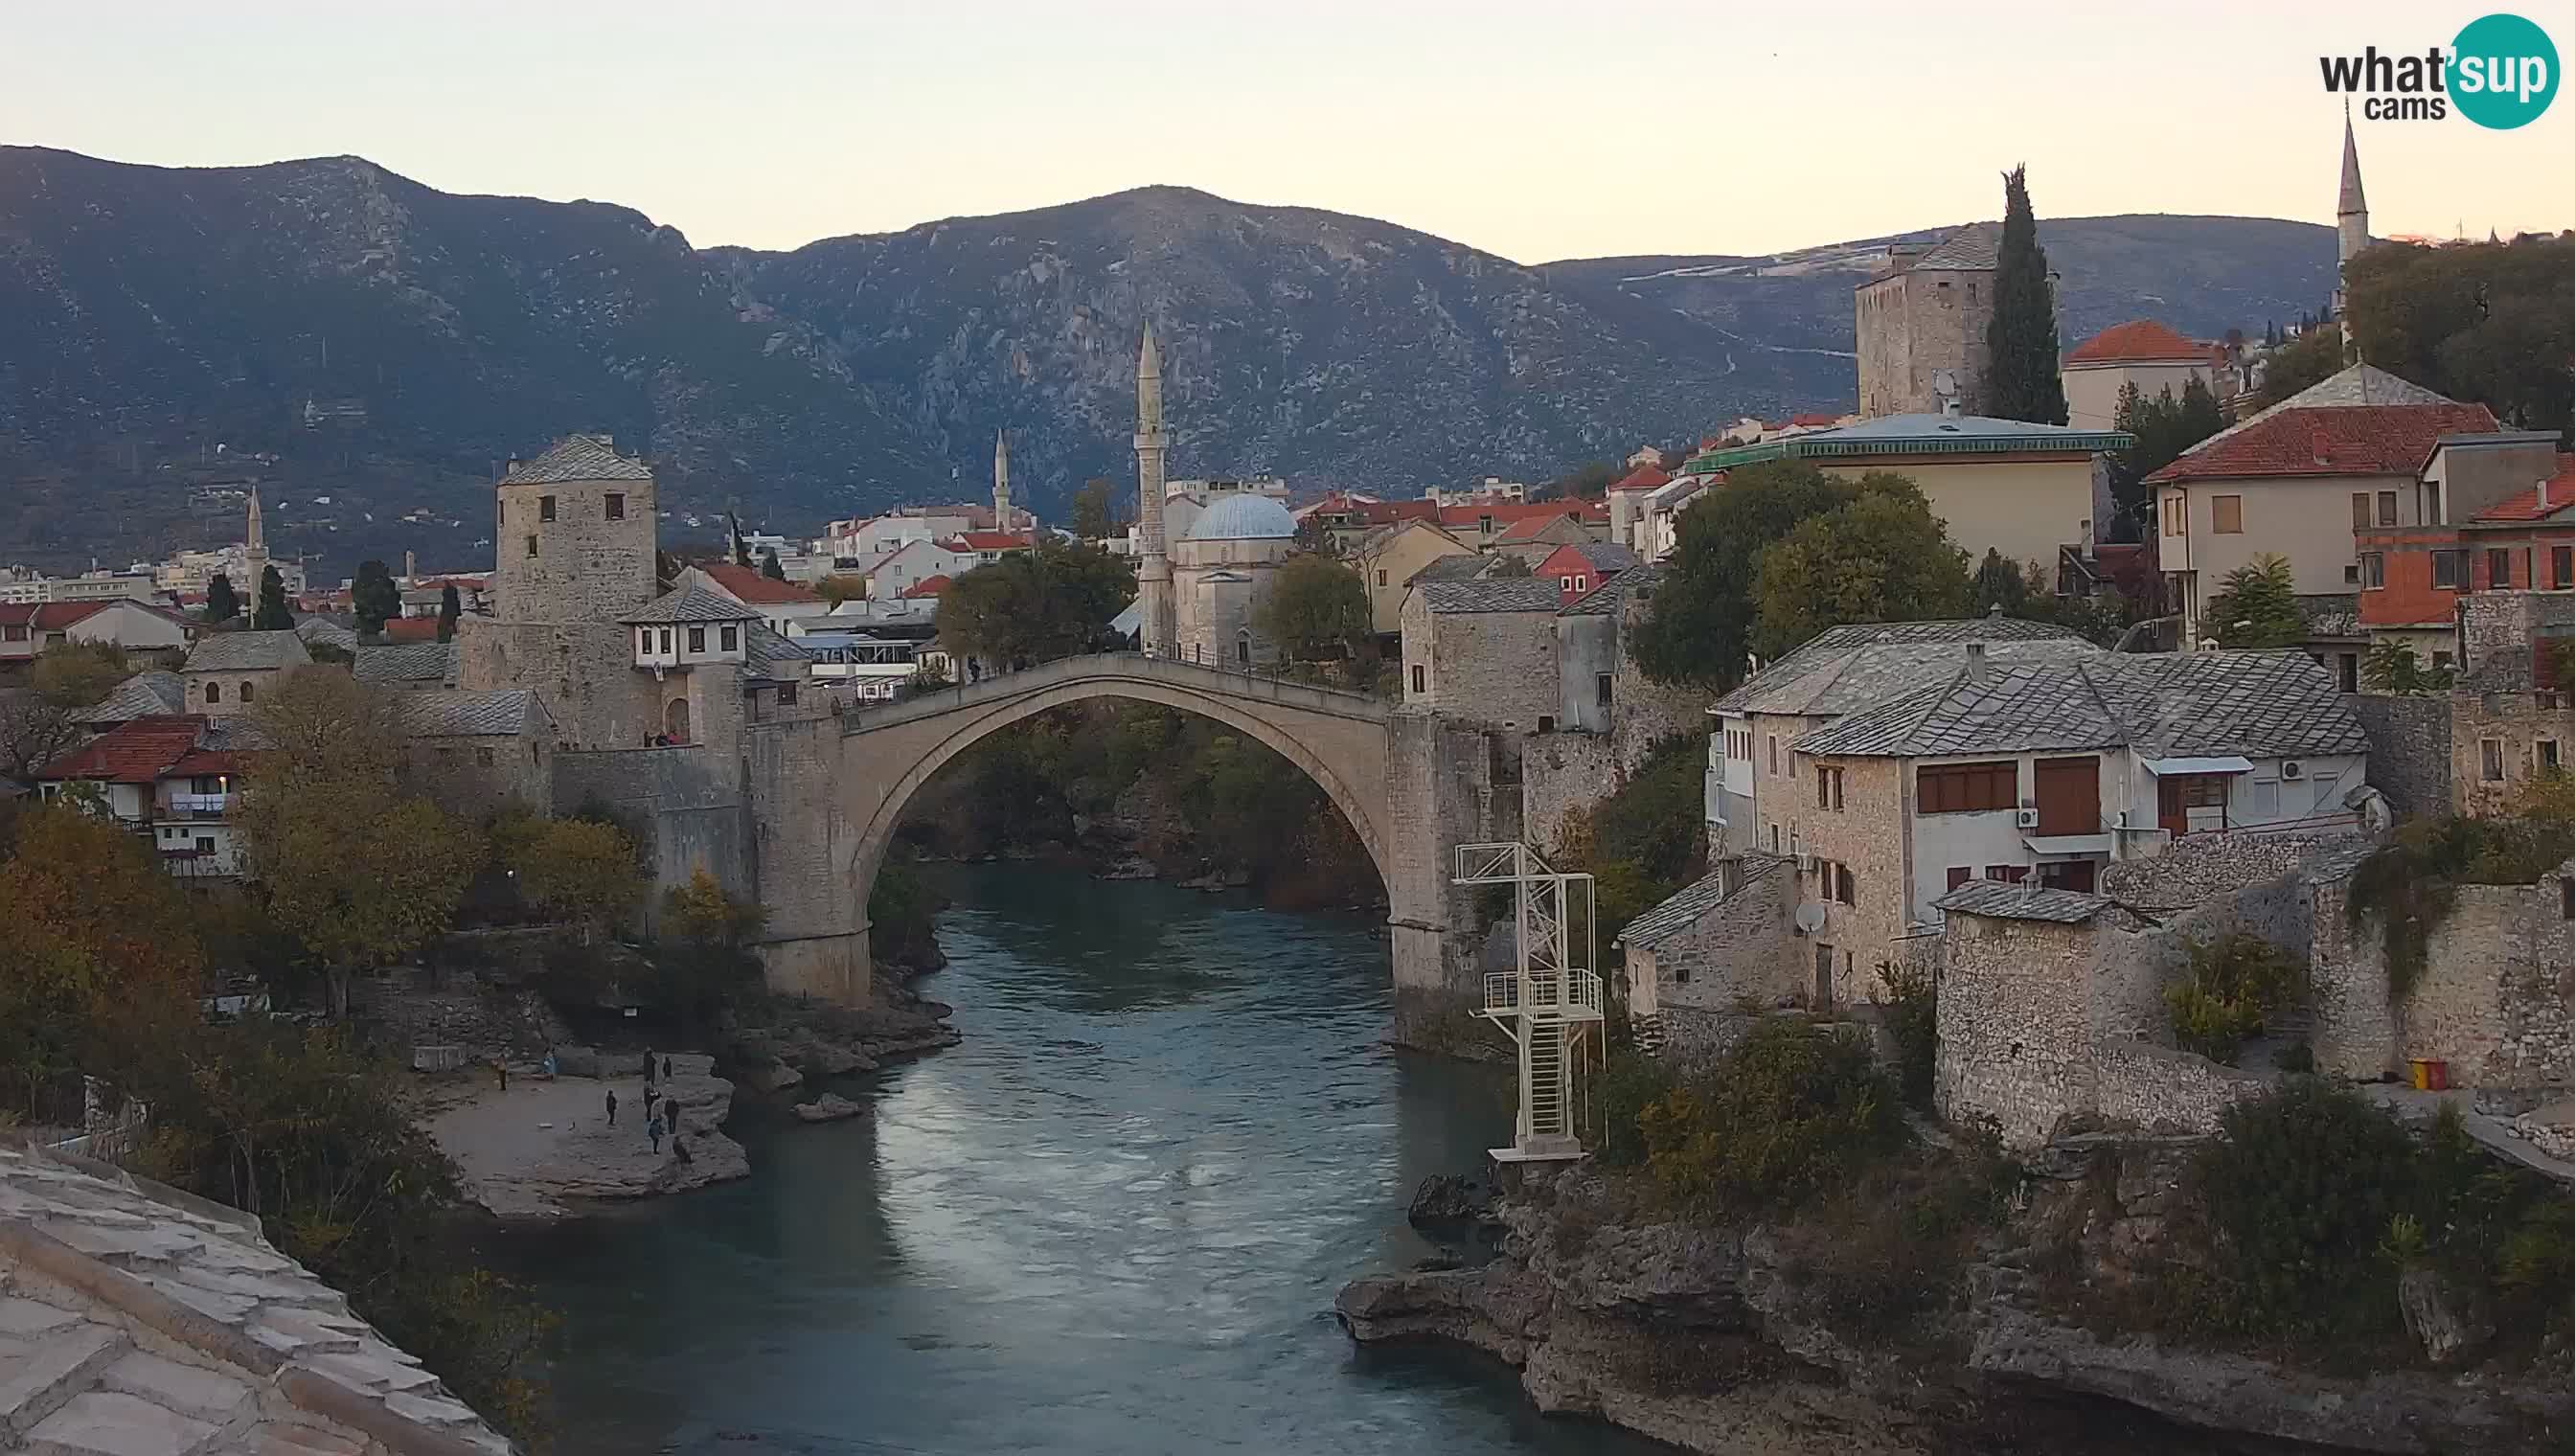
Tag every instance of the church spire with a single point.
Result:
(1000, 480)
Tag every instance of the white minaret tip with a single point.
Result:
(1150, 360)
(2352, 199)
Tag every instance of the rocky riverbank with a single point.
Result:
(1724, 1340)
(545, 1147)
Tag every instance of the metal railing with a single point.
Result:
(1575, 995)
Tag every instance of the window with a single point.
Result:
(214, 693)
(2175, 522)
(1829, 789)
(2360, 517)
(2373, 569)
(2498, 569)
(2441, 662)
(247, 688)
(2561, 566)
(2007, 873)
(1564, 583)
(2351, 574)
(643, 640)
(1601, 684)
(1948, 789)
(2445, 568)
(483, 757)
(616, 506)
(697, 639)
(730, 637)
(1774, 838)
(1419, 673)
(545, 507)
(2432, 502)
(2387, 508)
(1380, 577)
(2490, 760)
(2264, 804)
(666, 639)
(787, 695)
(1546, 722)
(2202, 791)
(2348, 668)
(1484, 523)
(532, 545)
(2545, 750)
(1845, 887)
(2226, 515)
(205, 844)
(1959, 875)
(1774, 754)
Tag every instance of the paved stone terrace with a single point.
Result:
(136, 1320)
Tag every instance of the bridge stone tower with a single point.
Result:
(574, 540)
(1153, 566)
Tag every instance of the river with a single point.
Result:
(1111, 1221)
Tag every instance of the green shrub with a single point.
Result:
(2411, 882)
(1912, 1014)
(2233, 984)
(1793, 1112)
(1631, 1083)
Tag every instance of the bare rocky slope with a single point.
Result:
(148, 315)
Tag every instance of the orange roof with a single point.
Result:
(47, 616)
(2139, 341)
(747, 585)
(1643, 478)
(1514, 512)
(1812, 421)
(411, 628)
(2539, 503)
(993, 540)
(137, 750)
(1533, 527)
(927, 586)
(2329, 440)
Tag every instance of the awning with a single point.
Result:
(2167, 768)
(2076, 844)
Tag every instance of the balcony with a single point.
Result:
(1552, 997)
(200, 805)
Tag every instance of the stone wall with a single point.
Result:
(2161, 1089)
(1866, 834)
(1563, 772)
(1448, 785)
(585, 672)
(2517, 725)
(473, 774)
(2409, 751)
(2495, 1001)
(1482, 667)
(804, 859)
(2015, 1028)
(685, 805)
(1740, 951)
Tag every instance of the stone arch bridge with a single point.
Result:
(825, 803)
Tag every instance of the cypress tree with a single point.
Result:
(2021, 382)
(769, 567)
(449, 608)
(271, 615)
(221, 603)
(375, 597)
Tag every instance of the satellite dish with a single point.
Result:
(1945, 382)
(1810, 918)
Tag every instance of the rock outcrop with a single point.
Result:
(545, 1149)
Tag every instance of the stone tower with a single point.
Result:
(2351, 215)
(1000, 480)
(1153, 569)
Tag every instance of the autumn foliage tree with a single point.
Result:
(1700, 630)
(1316, 609)
(356, 868)
(582, 871)
(1881, 558)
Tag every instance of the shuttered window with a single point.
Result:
(1967, 788)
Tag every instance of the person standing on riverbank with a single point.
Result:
(653, 1130)
(612, 1106)
(671, 1115)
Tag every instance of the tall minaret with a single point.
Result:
(1000, 480)
(253, 551)
(1153, 571)
(2351, 212)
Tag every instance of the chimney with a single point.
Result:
(2088, 537)
(1976, 657)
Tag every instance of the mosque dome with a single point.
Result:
(1244, 517)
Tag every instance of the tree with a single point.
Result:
(741, 546)
(1701, 626)
(2165, 427)
(450, 608)
(376, 598)
(703, 954)
(841, 586)
(769, 566)
(1051, 600)
(1999, 583)
(2392, 666)
(272, 615)
(2489, 322)
(1586, 481)
(34, 730)
(221, 603)
(1097, 510)
(359, 871)
(1316, 609)
(1882, 557)
(2021, 379)
(2259, 606)
(76, 675)
(2306, 360)
(582, 871)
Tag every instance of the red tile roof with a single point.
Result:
(2136, 342)
(48, 616)
(206, 761)
(1514, 512)
(747, 585)
(411, 628)
(993, 540)
(928, 587)
(1533, 527)
(2546, 499)
(1814, 421)
(1643, 478)
(2346, 440)
(135, 752)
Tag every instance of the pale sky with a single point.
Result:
(1571, 128)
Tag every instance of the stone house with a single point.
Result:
(173, 778)
(1715, 948)
(1920, 324)
(1387, 559)
(2141, 352)
(715, 665)
(226, 671)
(480, 749)
(1483, 650)
(1659, 516)
(2286, 480)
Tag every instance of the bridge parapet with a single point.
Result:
(1128, 666)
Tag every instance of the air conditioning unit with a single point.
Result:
(2027, 818)
(2292, 768)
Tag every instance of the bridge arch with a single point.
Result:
(1338, 740)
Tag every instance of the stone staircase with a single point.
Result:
(137, 1322)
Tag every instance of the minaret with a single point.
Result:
(2351, 212)
(253, 551)
(1154, 570)
(1000, 480)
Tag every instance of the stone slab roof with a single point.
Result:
(2023, 902)
(2265, 705)
(147, 692)
(1493, 594)
(246, 652)
(1978, 245)
(318, 630)
(1611, 594)
(1847, 668)
(410, 661)
(138, 1319)
(772, 655)
(691, 603)
(577, 458)
(1683, 911)
(455, 714)
(1456, 567)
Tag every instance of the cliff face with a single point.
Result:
(1711, 1340)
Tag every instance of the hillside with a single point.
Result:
(150, 315)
